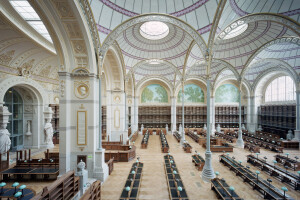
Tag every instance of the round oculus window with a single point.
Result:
(154, 30)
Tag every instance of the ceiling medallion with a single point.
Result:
(154, 30)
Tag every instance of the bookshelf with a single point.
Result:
(154, 116)
(277, 119)
(228, 116)
(103, 122)
(194, 116)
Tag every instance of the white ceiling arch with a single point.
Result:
(251, 59)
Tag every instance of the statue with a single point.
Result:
(48, 130)
(205, 128)
(4, 134)
(259, 128)
(28, 133)
(4, 139)
(180, 128)
(142, 128)
(290, 135)
(167, 128)
(218, 128)
(243, 127)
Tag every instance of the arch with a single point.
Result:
(113, 70)
(150, 17)
(227, 65)
(25, 82)
(152, 80)
(200, 81)
(274, 41)
(278, 70)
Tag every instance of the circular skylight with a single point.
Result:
(154, 30)
(234, 31)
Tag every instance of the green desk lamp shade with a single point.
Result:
(217, 173)
(274, 161)
(15, 184)
(231, 188)
(257, 172)
(174, 172)
(2, 184)
(179, 188)
(22, 187)
(133, 172)
(127, 188)
(18, 194)
(284, 189)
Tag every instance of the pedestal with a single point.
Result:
(208, 172)
(240, 142)
(100, 167)
(297, 135)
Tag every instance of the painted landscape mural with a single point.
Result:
(227, 93)
(154, 93)
(192, 94)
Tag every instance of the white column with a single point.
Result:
(136, 113)
(208, 171)
(108, 114)
(100, 117)
(251, 124)
(240, 142)
(212, 116)
(297, 131)
(173, 114)
(65, 123)
(248, 112)
(132, 117)
(182, 99)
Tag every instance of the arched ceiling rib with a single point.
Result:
(110, 13)
(234, 9)
(237, 50)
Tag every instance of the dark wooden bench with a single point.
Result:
(199, 161)
(164, 143)
(120, 153)
(93, 193)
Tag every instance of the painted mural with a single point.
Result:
(154, 93)
(227, 93)
(192, 94)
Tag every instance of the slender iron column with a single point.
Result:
(240, 142)
(100, 116)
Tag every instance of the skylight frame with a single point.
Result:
(150, 31)
(26, 11)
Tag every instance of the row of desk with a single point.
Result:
(283, 175)
(164, 143)
(175, 185)
(223, 190)
(133, 182)
(145, 139)
(265, 188)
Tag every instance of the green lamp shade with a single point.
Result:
(2, 184)
(231, 188)
(284, 189)
(179, 188)
(174, 172)
(240, 161)
(127, 188)
(18, 194)
(15, 184)
(22, 187)
(137, 161)
(287, 154)
(133, 172)
(227, 154)
(217, 173)
(274, 161)
(257, 172)
(298, 172)
(171, 161)
(169, 154)
(257, 153)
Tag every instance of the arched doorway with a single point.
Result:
(14, 102)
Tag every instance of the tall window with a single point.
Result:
(281, 89)
(14, 103)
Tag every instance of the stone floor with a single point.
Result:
(154, 184)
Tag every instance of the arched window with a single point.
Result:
(281, 89)
(14, 103)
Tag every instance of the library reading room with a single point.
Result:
(149, 99)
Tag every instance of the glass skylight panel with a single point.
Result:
(32, 18)
(154, 30)
(236, 31)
